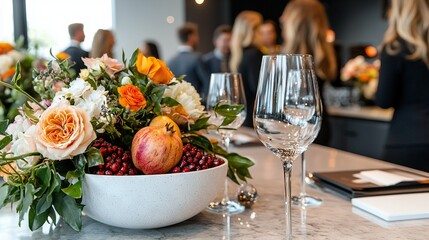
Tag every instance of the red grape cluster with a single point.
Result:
(117, 161)
(194, 159)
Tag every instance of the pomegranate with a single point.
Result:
(161, 121)
(156, 150)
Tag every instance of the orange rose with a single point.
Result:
(5, 47)
(131, 97)
(62, 56)
(154, 68)
(63, 132)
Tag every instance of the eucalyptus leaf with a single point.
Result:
(94, 157)
(69, 210)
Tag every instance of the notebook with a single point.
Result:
(372, 182)
(395, 207)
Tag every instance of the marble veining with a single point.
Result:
(335, 219)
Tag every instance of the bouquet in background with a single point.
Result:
(362, 74)
(10, 99)
(81, 123)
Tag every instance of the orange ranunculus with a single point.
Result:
(154, 68)
(62, 56)
(131, 97)
(5, 47)
(7, 74)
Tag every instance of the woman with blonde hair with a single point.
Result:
(304, 29)
(404, 82)
(103, 42)
(246, 56)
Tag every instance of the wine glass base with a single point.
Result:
(306, 201)
(222, 207)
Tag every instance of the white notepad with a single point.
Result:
(395, 207)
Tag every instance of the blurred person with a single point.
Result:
(246, 56)
(269, 35)
(217, 61)
(188, 62)
(304, 29)
(76, 53)
(103, 43)
(150, 49)
(404, 82)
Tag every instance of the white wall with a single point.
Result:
(138, 20)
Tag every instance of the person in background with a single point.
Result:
(76, 53)
(150, 49)
(304, 27)
(217, 61)
(269, 35)
(246, 57)
(103, 43)
(404, 83)
(188, 62)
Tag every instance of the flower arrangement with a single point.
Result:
(53, 143)
(362, 74)
(9, 99)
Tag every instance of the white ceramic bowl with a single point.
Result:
(150, 201)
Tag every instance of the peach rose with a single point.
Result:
(131, 97)
(63, 132)
(154, 68)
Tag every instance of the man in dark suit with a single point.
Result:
(188, 62)
(77, 36)
(217, 61)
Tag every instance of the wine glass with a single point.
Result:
(226, 89)
(303, 199)
(287, 113)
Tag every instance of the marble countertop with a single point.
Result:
(361, 112)
(336, 218)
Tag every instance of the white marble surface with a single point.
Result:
(335, 219)
(362, 112)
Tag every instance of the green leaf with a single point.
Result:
(52, 215)
(94, 157)
(5, 141)
(3, 126)
(134, 58)
(72, 175)
(92, 83)
(44, 203)
(17, 76)
(27, 201)
(228, 110)
(43, 177)
(4, 190)
(157, 109)
(169, 102)
(238, 161)
(201, 142)
(79, 162)
(228, 120)
(55, 185)
(69, 210)
(231, 175)
(29, 113)
(201, 123)
(74, 191)
(36, 220)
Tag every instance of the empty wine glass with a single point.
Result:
(226, 89)
(287, 113)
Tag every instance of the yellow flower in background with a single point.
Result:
(62, 56)
(5, 47)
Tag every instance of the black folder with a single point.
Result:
(343, 183)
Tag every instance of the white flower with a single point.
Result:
(93, 101)
(19, 126)
(126, 80)
(77, 89)
(25, 144)
(187, 96)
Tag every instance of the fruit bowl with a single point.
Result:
(150, 201)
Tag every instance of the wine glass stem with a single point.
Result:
(225, 141)
(304, 170)
(287, 167)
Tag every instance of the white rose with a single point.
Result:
(126, 80)
(20, 125)
(23, 145)
(77, 88)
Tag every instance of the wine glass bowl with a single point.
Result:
(226, 95)
(287, 113)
